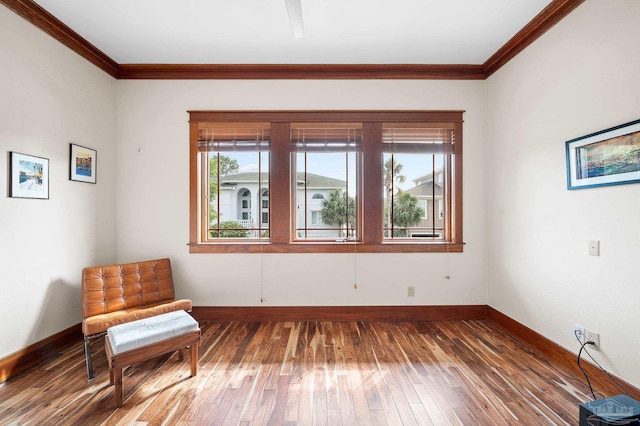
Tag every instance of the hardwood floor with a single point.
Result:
(304, 373)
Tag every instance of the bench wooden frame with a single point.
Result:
(118, 362)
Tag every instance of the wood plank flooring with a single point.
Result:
(310, 373)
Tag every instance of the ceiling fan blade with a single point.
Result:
(294, 9)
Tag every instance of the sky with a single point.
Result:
(333, 165)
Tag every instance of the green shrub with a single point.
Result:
(229, 229)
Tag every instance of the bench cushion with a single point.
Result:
(136, 334)
(100, 323)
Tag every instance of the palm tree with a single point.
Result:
(226, 166)
(406, 212)
(392, 174)
(335, 210)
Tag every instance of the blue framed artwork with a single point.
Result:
(82, 165)
(607, 157)
(29, 176)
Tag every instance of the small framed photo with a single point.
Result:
(608, 157)
(29, 176)
(82, 164)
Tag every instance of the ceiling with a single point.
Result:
(254, 38)
(259, 32)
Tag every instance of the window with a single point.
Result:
(416, 157)
(324, 159)
(341, 181)
(235, 170)
(316, 218)
(422, 205)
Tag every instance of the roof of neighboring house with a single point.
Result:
(428, 177)
(249, 177)
(319, 181)
(425, 190)
(313, 180)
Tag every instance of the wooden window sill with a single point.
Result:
(327, 247)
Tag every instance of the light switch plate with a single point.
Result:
(594, 248)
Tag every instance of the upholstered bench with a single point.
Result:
(140, 340)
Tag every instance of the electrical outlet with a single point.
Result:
(411, 291)
(580, 333)
(594, 337)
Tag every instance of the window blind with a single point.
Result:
(233, 137)
(342, 137)
(428, 139)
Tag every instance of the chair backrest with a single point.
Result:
(110, 288)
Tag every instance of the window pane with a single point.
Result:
(413, 187)
(325, 195)
(325, 188)
(414, 161)
(238, 194)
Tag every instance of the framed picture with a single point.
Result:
(608, 157)
(82, 164)
(29, 176)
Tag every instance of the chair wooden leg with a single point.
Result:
(87, 356)
(194, 359)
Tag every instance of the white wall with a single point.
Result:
(579, 78)
(153, 197)
(49, 97)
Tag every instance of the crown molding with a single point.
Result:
(547, 18)
(540, 24)
(36, 15)
(301, 71)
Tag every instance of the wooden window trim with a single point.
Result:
(281, 213)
